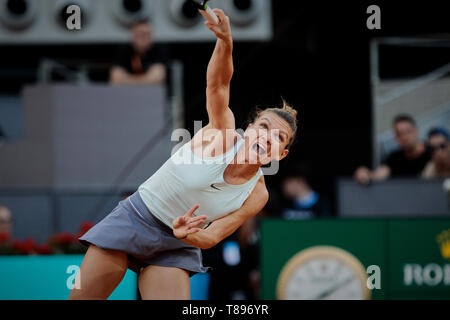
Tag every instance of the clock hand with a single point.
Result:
(333, 288)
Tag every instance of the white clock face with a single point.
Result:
(323, 274)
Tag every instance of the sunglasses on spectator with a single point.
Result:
(441, 146)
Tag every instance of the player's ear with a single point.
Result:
(284, 154)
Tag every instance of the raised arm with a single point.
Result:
(218, 77)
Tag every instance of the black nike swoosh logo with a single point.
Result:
(212, 186)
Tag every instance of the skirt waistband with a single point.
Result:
(138, 204)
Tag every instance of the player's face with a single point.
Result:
(267, 138)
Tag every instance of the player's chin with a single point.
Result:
(266, 161)
(262, 161)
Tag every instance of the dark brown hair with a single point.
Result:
(285, 112)
(404, 118)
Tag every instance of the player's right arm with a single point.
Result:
(219, 74)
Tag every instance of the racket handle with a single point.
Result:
(209, 14)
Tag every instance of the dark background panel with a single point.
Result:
(318, 60)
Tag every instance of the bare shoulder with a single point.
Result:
(213, 142)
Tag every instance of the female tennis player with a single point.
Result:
(188, 205)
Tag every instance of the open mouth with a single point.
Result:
(259, 149)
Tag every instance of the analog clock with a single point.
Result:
(323, 272)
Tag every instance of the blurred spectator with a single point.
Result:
(248, 238)
(302, 202)
(235, 260)
(142, 62)
(5, 220)
(226, 278)
(409, 160)
(439, 165)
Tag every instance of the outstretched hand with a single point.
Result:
(223, 29)
(186, 225)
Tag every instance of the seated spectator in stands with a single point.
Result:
(226, 279)
(235, 260)
(439, 165)
(409, 160)
(142, 62)
(302, 201)
(248, 237)
(5, 220)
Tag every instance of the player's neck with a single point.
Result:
(243, 171)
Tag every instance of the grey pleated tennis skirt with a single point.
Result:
(133, 229)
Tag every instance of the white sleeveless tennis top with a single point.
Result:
(186, 179)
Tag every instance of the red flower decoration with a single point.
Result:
(85, 226)
(43, 249)
(24, 247)
(63, 238)
(4, 236)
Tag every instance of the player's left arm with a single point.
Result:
(224, 227)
